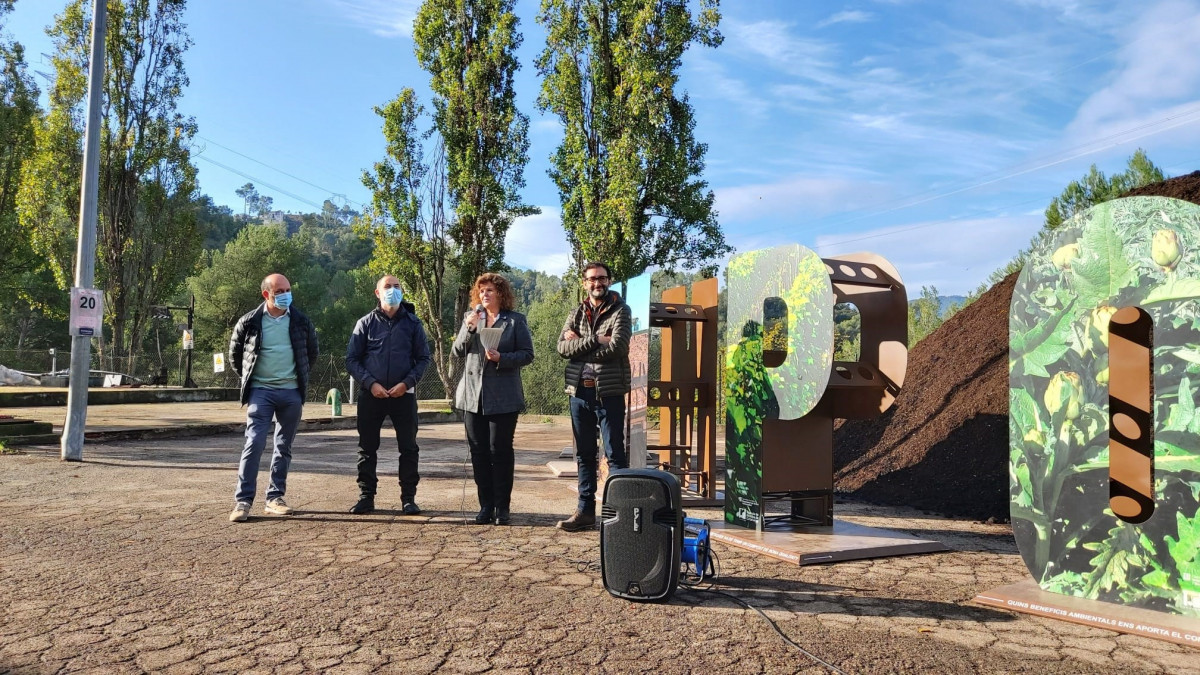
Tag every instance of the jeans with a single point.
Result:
(490, 438)
(371, 413)
(286, 406)
(586, 414)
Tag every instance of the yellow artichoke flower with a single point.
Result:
(1101, 316)
(1064, 393)
(1065, 255)
(1165, 249)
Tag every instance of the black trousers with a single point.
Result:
(490, 438)
(403, 412)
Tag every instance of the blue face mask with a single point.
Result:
(283, 300)
(391, 297)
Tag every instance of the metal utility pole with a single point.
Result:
(188, 382)
(85, 253)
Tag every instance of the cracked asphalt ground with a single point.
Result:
(126, 563)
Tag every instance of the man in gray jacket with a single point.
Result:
(388, 353)
(595, 342)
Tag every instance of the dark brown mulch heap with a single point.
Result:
(943, 446)
(1186, 187)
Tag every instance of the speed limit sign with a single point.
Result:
(87, 311)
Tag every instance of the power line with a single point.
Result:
(277, 170)
(1053, 160)
(879, 235)
(261, 182)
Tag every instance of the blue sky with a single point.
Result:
(933, 133)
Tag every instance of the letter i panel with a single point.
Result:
(1104, 422)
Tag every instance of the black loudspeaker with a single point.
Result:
(641, 534)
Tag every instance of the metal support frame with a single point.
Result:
(686, 391)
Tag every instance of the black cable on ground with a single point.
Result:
(715, 566)
(712, 574)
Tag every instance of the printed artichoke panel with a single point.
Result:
(1143, 252)
(754, 392)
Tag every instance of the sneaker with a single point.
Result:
(411, 509)
(580, 520)
(278, 507)
(241, 511)
(365, 504)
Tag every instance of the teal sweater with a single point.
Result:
(275, 367)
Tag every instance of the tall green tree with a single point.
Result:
(469, 49)
(228, 282)
(924, 315)
(408, 223)
(249, 195)
(19, 115)
(628, 168)
(444, 199)
(147, 235)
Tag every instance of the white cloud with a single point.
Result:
(848, 16)
(548, 125)
(800, 93)
(953, 255)
(805, 195)
(538, 243)
(717, 83)
(774, 41)
(385, 18)
(1158, 76)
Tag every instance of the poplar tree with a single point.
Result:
(628, 168)
(147, 236)
(407, 222)
(19, 114)
(469, 49)
(444, 199)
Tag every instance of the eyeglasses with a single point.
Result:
(596, 280)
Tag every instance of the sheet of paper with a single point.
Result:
(490, 337)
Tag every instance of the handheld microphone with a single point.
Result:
(479, 310)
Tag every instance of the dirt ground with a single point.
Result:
(126, 563)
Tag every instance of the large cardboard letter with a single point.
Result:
(780, 303)
(1104, 422)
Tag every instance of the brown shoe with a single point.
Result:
(580, 520)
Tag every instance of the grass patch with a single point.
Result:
(5, 450)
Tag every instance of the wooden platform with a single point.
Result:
(563, 469)
(814, 545)
(1026, 596)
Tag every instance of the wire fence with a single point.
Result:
(544, 393)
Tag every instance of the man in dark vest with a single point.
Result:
(595, 342)
(388, 353)
(271, 349)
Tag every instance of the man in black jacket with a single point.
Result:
(595, 342)
(388, 354)
(271, 349)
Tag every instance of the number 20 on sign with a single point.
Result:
(87, 311)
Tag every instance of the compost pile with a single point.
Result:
(943, 446)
